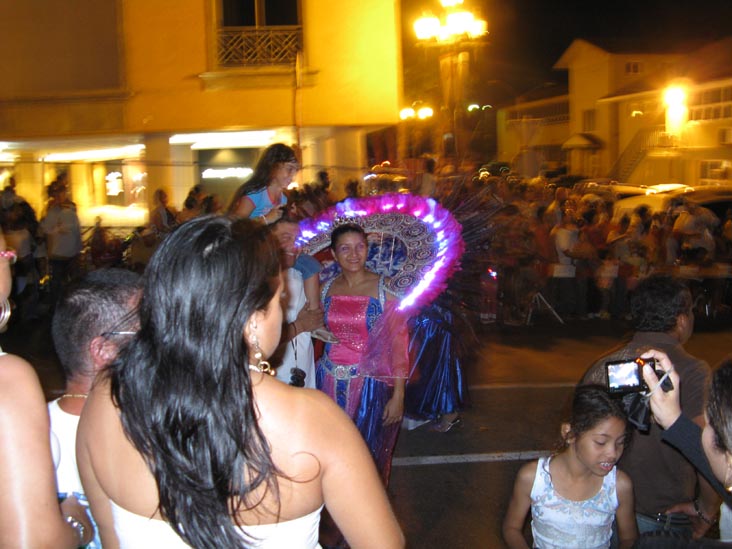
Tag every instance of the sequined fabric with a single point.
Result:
(350, 317)
(363, 398)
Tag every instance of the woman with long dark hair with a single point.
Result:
(262, 196)
(188, 440)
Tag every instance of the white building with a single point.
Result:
(615, 121)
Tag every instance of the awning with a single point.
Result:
(582, 141)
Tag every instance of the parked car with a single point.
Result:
(716, 198)
(608, 188)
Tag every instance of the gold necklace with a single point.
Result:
(74, 395)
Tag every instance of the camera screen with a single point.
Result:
(623, 375)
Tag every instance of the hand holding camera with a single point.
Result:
(664, 404)
(626, 376)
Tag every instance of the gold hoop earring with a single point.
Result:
(262, 366)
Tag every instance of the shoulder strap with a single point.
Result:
(325, 288)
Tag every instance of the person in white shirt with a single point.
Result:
(62, 230)
(90, 322)
(297, 344)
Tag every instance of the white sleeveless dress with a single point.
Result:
(560, 523)
(138, 532)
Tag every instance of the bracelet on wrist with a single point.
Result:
(264, 219)
(78, 526)
(10, 255)
(701, 515)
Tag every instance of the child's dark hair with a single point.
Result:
(592, 404)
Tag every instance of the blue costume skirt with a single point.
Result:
(364, 399)
(437, 384)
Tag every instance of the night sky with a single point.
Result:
(528, 36)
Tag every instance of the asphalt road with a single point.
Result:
(450, 490)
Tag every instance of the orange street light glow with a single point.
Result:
(457, 23)
(406, 113)
(424, 113)
(674, 96)
(426, 27)
(677, 113)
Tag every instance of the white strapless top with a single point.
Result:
(138, 532)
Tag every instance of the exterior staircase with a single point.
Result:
(644, 140)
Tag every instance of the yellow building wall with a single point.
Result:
(147, 68)
(355, 46)
(656, 65)
(351, 71)
(589, 80)
(51, 48)
(159, 65)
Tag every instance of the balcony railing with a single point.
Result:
(251, 47)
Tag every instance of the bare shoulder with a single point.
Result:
(99, 400)
(527, 472)
(24, 411)
(100, 419)
(280, 399)
(296, 416)
(623, 482)
(18, 378)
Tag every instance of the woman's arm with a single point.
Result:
(244, 207)
(394, 409)
(349, 475)
(30, 515)
(5, 276)
(666, 409)
(312, 292)
(518, 507)
(625, 514)
(685, 435)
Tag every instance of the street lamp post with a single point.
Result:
(414, 119)
(451, 33)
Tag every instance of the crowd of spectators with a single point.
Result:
(572, 247)
(585, 258)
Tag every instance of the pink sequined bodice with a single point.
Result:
(348, 318)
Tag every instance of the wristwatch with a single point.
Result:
(79, 527)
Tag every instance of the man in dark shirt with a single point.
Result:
(666, 485)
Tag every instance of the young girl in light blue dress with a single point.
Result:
(575, 495)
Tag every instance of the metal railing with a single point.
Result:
(248, 46)
(644, 139)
